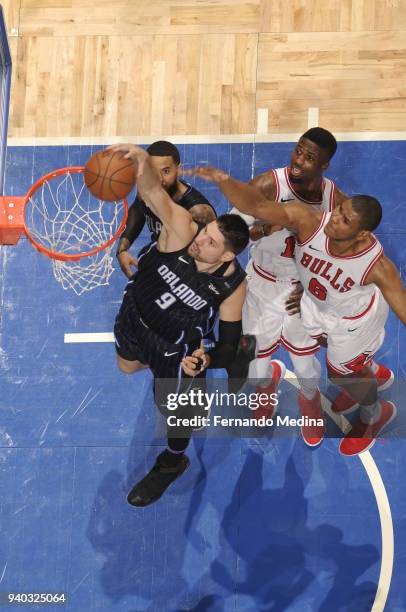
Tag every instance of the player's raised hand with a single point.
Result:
(129, 151)
(208, 173)
(147, 176)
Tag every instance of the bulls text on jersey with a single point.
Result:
(328, 271)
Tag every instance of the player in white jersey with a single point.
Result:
(273, 276)
(348, 285)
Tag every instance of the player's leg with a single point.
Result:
(178, 433)
(348, 359)
(302, 351)
(130, 358)
(129, 366)
(170, 463)
(128, 343)
(169, 383)
(261, 319)
(302, 348)
(308, 371)
(374, 414)
(345, 403)
(360, 382)
(263, 315)
(168, 467)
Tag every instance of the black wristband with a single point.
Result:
(118, 252)
(223, 353)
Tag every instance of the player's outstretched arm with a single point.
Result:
(135, 221)
(385, 275)
(174, 217)
(265, 183)
(250, 200)
(133, 228)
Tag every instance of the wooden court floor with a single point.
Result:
(211, 67)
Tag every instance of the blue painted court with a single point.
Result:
(256, 523)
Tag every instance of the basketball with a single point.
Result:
(108, 176)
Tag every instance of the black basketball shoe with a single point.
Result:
(155, 483)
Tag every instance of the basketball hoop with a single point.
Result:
(65, 222)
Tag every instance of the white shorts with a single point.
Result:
(264, 315)
(351, 343)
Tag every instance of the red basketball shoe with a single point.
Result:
(362, 436)
(268, 409)
(312, 434)
(344, 403)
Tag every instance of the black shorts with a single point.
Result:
(135, 341)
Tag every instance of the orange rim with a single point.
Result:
(63, 256)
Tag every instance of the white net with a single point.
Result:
(63, 217)
(81, 276)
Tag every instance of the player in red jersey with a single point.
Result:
(348, 285)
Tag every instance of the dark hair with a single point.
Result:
(323, 138)
(369, 210)
(163, 148)
(235, 232)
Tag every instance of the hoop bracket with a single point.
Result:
(11, 218)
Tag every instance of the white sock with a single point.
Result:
(308, 371)
(370, 414)
(259, 371)
(374, 367)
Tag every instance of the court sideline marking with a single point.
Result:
(200, 138)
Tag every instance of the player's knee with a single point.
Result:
(127, 367)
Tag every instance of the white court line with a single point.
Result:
(378, 487)
(198, 139)
(312, 117)
(262, 120)
(381, 496)
(89, 337)
(387, 537)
